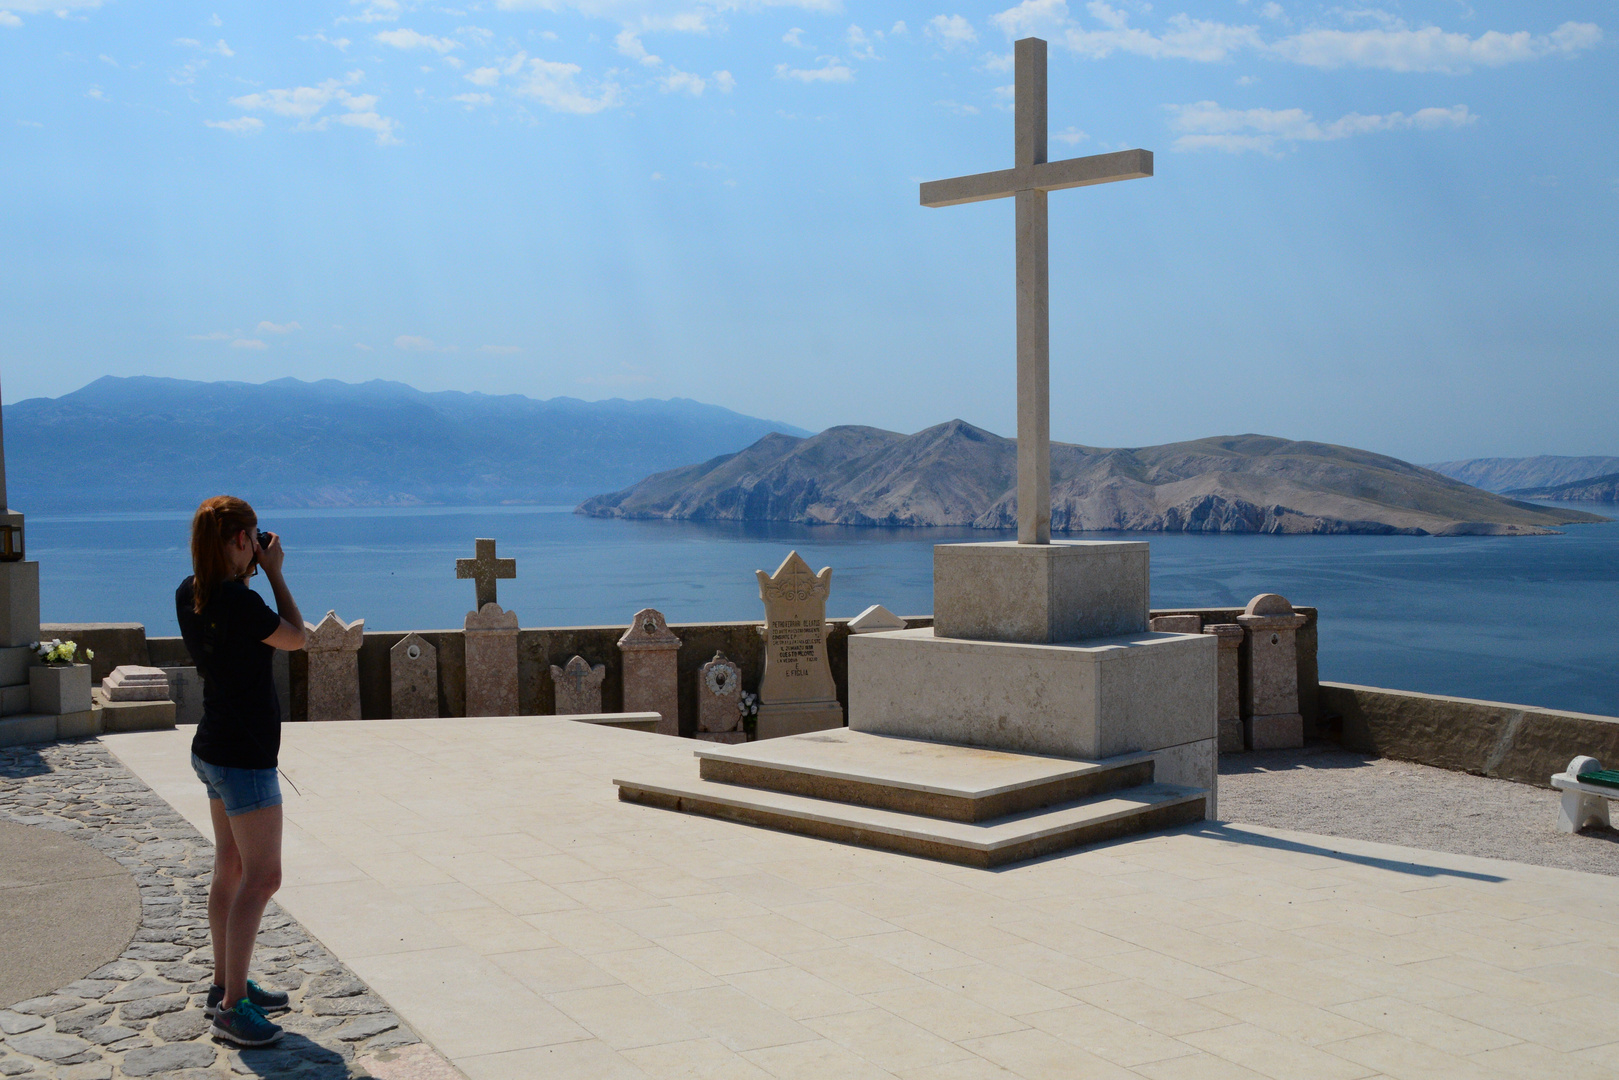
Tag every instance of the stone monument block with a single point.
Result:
(875, 620)
(491, 636)
(19, 603)
(1069, 590)
(413, 678)
(719, 693)
(1230, 636)
(1270, 685)
(56, 689)
(130, 682)
(334, 667)
(650, 654)
(578, 687)
(797, 693)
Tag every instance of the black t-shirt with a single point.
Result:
(241, 718)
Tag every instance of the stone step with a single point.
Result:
(980, 844)
(913, 776)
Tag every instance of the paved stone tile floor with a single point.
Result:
(140, 1013)
(481, 878)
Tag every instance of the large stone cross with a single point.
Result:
(484, 569)
(1028, 181)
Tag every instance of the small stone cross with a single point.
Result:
(1028, 181)
(485, 569)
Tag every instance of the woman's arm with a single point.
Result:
(289, 636)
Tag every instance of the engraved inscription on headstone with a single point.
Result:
(651, 673)
(413, 678)
(719, 693)
(579, 687)
(797, 693)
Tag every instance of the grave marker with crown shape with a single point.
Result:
(797, 692)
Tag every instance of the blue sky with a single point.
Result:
(1390, 226)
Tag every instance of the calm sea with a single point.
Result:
(1522, 619)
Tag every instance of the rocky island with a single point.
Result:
(958, 474)
(1591, 489)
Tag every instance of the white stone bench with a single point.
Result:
(1583, 803)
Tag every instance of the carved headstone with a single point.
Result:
(1229, 680)
(719, 693)
(334, 667)
(413, 678)
(484, 570)
(579, 687)
(797, 693)
(651, 671)
(1270, 684)
(875, 620)
(491, 636)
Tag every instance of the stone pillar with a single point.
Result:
(651, 670)
(19, 628)
(334, 668)
(719, 692)
(491, 636)
(1230, 686)
(1270, 686)
(579, 687)
(413, 679)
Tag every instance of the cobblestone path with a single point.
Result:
(141, 1014)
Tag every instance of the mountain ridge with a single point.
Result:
(957, 474)
(1504, 475)
(1603, 489)
(147, 442)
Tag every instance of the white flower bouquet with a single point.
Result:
(57, 651)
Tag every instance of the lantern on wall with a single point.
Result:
(11, 542)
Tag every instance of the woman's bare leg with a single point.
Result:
(222, 890)
(258, 842)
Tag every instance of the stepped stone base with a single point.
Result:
(28, 728)
(780, 720)
(133, 715)
(958, 804)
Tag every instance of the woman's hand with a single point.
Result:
(271, 555)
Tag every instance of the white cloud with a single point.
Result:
(363, 347)
(952, 31)
(472, 101)
(1207, 126)
(277, 328)
(8, 19)
(374, 11)
(305, 103)
(97, 94)
(43, 7)
(724, 81)
(484, 76)
(862, 46)
(410, 343)
(677, 81)
(410, 39)
(555, 85)
(898, 28)
(340, 44)
(1431, 49)
(829, 71)
(242, 125)
(1073, 136)
(479, 34)
(500, 350)
(217, 335)
(248, 343)
(795, 38)
(1369, 38)
(628, 42)
(958, 108)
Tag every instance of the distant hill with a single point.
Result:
(957, 474)
(1504, 474)
(1603, 489)
(150, 443)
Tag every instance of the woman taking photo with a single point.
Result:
(232, 635)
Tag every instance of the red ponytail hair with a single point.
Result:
(213, 526)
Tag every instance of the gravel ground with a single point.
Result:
(1322, 789)
(141, 1014)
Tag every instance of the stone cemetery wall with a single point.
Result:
(1488, 738)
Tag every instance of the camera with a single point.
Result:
(264, 539)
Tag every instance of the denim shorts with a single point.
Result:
(241, 790)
